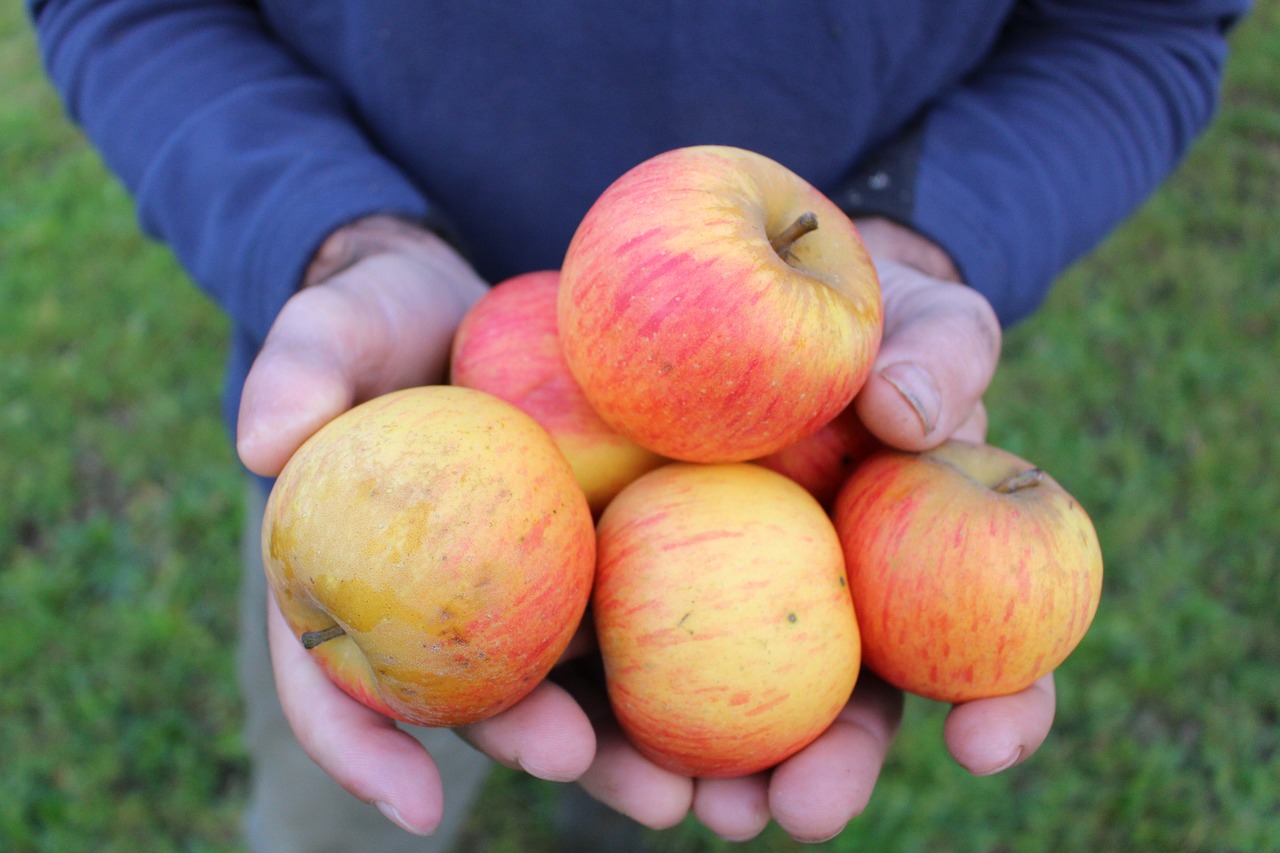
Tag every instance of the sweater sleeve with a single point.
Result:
(1083, 107)
(238, 157)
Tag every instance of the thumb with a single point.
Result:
(303, 377)
(384, 323)
(378, 312)
(940, 350)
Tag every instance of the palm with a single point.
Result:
(385, 320)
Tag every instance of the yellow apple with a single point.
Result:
(433, 549)
(973, 572)
(702, 318)
(507, 345)
(725, 624)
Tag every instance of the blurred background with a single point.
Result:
(1147, 386)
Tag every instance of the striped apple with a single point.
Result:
(716, 307)
(508, 346)
(725, 624)
(973, 572)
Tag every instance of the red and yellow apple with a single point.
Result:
(973, 572)
(703, 320)
(433, 550)
(823, 461)
(725, 624)
(507, 346)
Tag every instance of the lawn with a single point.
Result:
(1147, 385)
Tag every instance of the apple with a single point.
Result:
(973, 572)
(507, 345)
(823, 461)
(433, 550)
(725, 625)
(702, 318)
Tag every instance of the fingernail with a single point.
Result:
(390, 813)
(736, 839)
(822, 839)
(1005, 765)
(545, 775)
(918, 387)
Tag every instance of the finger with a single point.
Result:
(987, 736)
(734, 809)
(627, 782)
(384, 323)
(816, 792)
(360, 748)
(546, 735)
(939, 352)
(975, 427)
(620, 776)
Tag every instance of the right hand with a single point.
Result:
(940, 350)
(382, 303)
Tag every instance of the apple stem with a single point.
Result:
(1022, 480)
(311, 639)
(782, 243)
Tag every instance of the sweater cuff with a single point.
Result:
(293, 221)
(897, 182)
(949, 214)
(248, 188)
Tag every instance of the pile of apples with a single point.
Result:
(663, 429)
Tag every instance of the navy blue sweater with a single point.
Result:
(1014, 134)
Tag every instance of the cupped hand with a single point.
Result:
(940, 350)
(382, 301)
(387, 301)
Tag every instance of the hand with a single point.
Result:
(382, 301)
(940, 349)
(941, 346)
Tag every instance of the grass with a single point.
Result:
(1146, 385)
(118, 511)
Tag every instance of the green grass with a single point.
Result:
(1146, 385)
(118, 511)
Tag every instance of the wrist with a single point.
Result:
(361, 238)
(889, 240)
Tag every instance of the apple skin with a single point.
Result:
(724, 618)
(963, 591)
(685, 328)
(823, 461)
(507, 345)
(442, 530)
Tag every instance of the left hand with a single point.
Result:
(940, 350)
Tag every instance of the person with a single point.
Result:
(346, 178)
